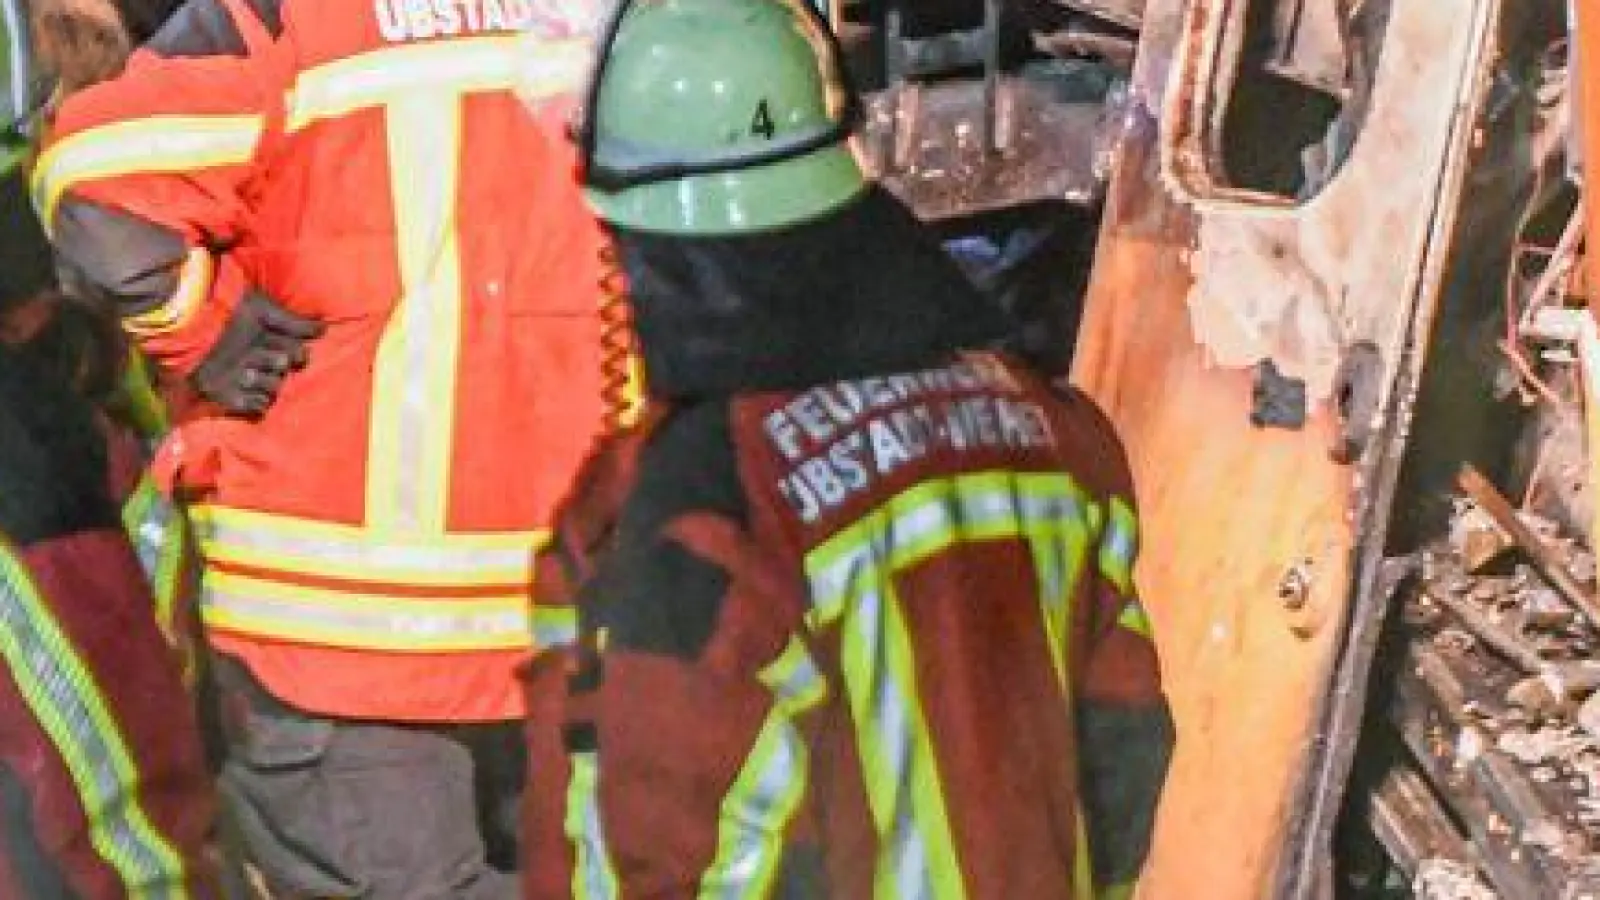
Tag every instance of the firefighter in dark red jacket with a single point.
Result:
(104, 793)
(854, 613)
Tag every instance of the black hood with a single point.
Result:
(53, 477)
(865, 290)
(26, 267)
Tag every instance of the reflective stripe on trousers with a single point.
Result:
(593, 875)
(852, 578)
(62, 694)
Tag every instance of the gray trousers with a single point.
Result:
(330, 808)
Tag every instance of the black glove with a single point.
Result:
(262, 344)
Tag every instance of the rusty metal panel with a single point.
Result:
(1258, 540)
(926, 143)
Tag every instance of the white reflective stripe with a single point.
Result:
(297, 546)
(148, 517)
(1134, 618)
(903, 783)
(148, 146)
(928, 518)
(852, 579)
(17, 52)
(755, 815)
(420, 88)
(363, 620)
(453, 66)
(414, 398)
(554, 626)
(67, 703)
(1120, 546)
(593, 877)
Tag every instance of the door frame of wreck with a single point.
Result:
(1312, 636)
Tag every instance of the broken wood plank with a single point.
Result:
(1543, 557)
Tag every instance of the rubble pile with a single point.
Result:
(1499, 701)
(1445, 879)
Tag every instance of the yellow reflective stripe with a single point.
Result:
(364, 620)
(633, 392)
(137, 391)
(414, 399)
(754, 816)
(313, 530)
(194, 286)
(1134, 618)
(454, 66)
(1049, 510)
(904, 788)
(1120, 546)
(61, 693)
(155, 527)
(420, 88)
(147, 146)
(554, 626)
(307, 547)
(593, 875)
(852, 580)
(1082, 860)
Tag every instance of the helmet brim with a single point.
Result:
(743, 201)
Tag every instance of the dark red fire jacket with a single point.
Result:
(103, 789)
(878, 638)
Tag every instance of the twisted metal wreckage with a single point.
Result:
(1336, 259)
(1337, 263)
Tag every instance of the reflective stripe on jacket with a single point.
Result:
(858, 641)
(99, 731)
(368, 540)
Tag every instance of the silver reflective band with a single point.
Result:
(593, 878)
(23, 92)
(383, 627)
(973, 510)
(65, 700)
(357, 555)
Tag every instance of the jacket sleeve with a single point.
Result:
(110, 794)
(674, 727)
(144, 182)
(1125, 728)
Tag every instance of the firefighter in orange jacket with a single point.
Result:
(855, 610)
(104, 792)
(335, 218)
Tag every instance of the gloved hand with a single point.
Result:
(260, 346)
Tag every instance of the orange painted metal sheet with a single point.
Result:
(1226, 510)
(1588, 48)
(1249, 533)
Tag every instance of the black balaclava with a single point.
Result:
(863, 290)
(26, 269)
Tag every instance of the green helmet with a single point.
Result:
(717, 117)
(23, 87)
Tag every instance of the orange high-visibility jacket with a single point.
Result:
(368, 165)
